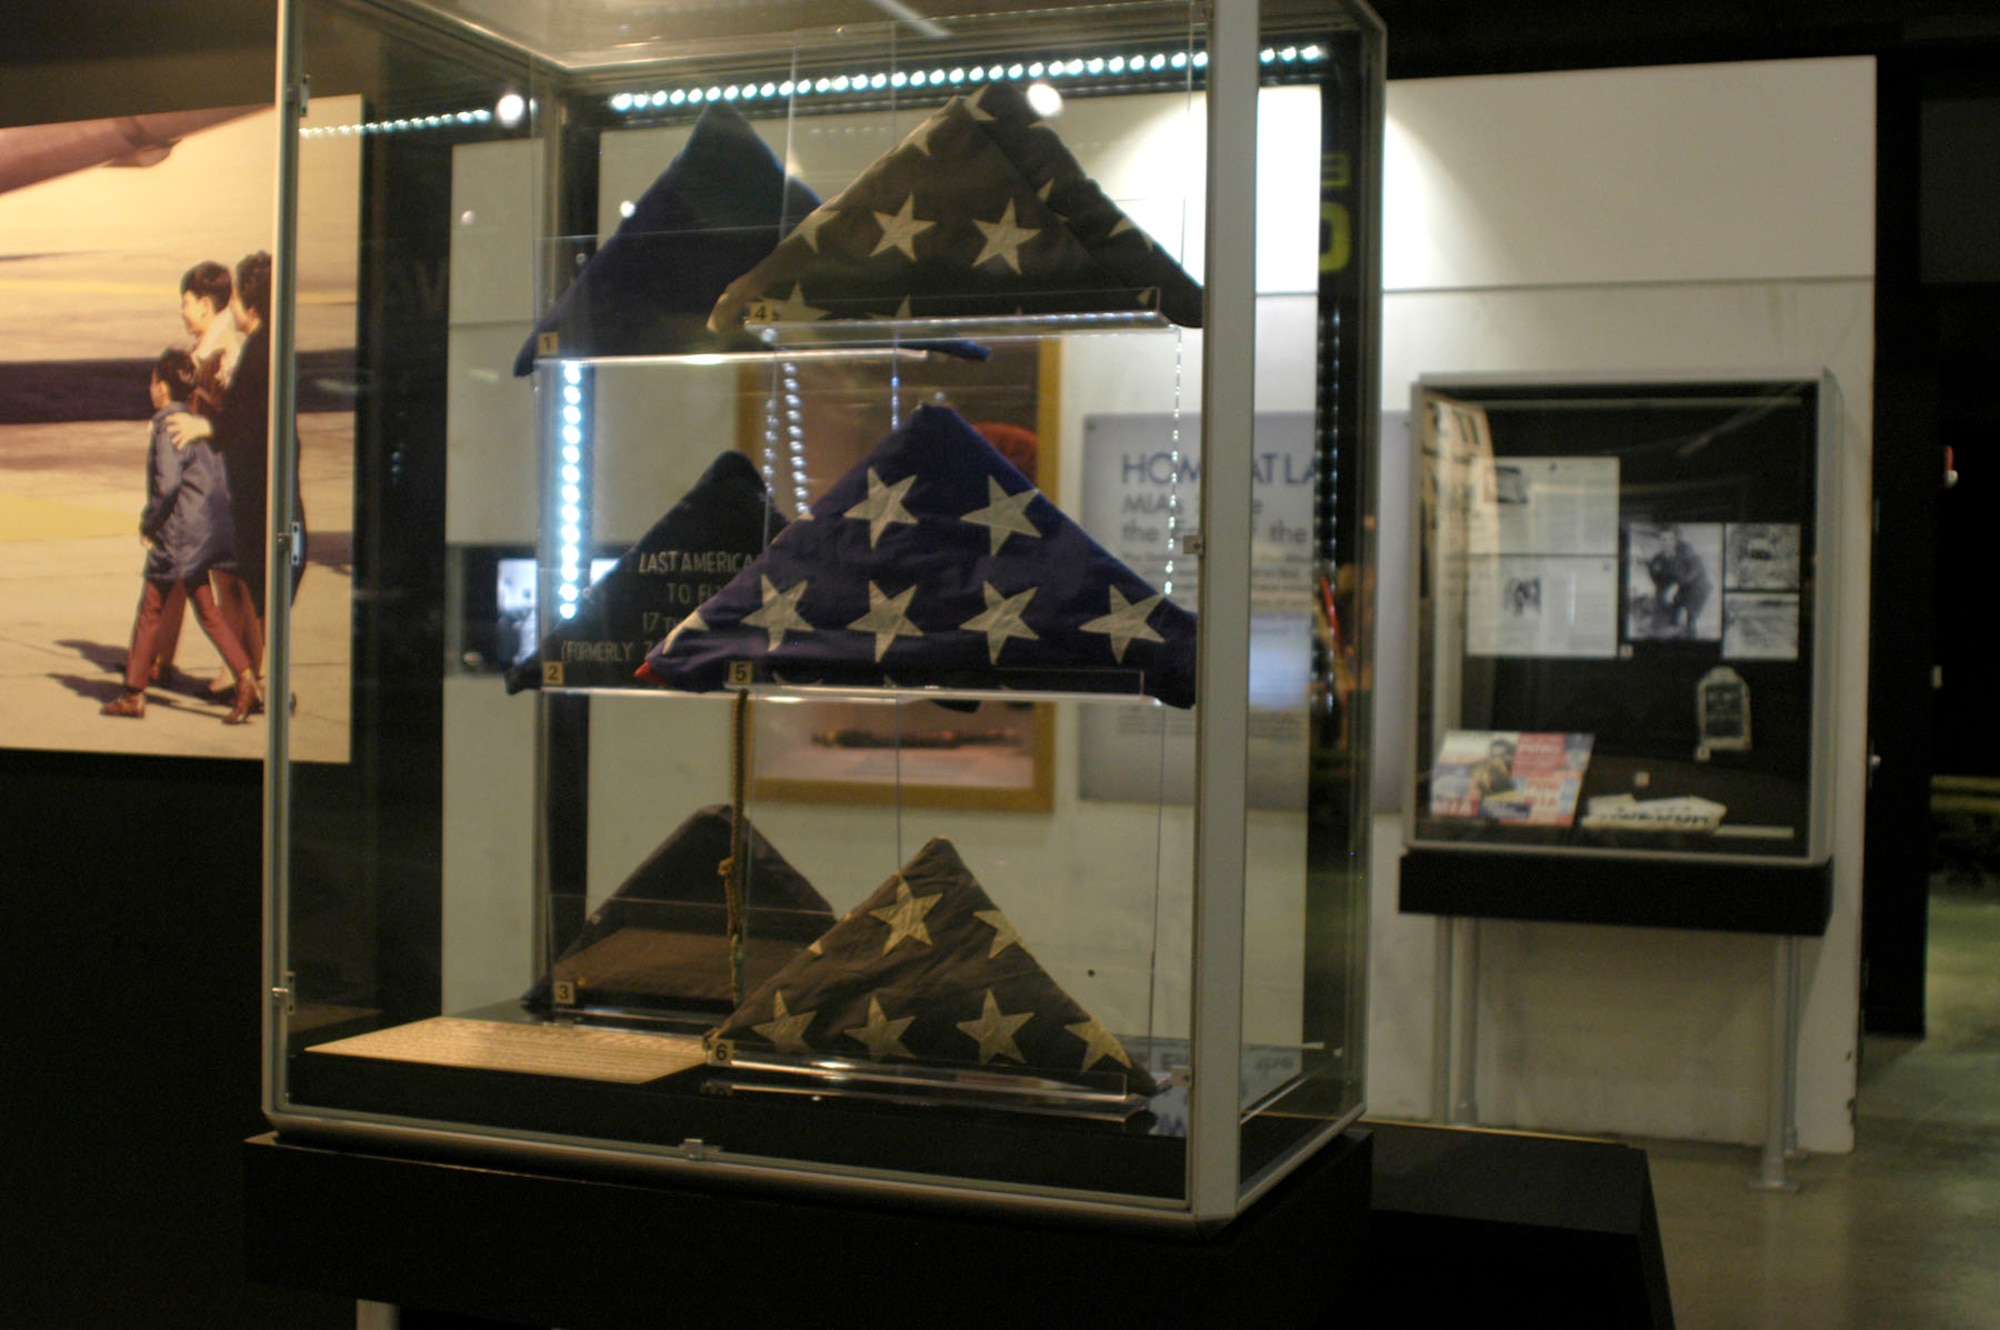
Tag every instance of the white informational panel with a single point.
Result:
(1140, 491)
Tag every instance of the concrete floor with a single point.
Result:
(1904, 1232)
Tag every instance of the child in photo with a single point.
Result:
(188, 531)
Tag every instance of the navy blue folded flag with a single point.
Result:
(935, 564)
(980, 213)
(715, 530)
(927, 970)
(661, 941)
(719, 207)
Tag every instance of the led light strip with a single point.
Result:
(400, 126)
(571, 524)
(1094, 68)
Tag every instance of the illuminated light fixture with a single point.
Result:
(1119, 66)
(510, 108)
(1045, 100)
(627, 208)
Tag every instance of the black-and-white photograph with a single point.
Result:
(1761, 556)
(1759, 626)
(1671, 570)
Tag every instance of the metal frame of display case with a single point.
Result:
(1218, 1184)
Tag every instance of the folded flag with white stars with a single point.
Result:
(684, 558)
(928, 970)
(720, 206)
(981, 212)
(935, 564)
(660, 942)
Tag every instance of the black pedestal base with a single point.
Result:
(520, 1248)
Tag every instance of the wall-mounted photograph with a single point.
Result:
(134, 391)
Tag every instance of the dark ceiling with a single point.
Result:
(1427, 37)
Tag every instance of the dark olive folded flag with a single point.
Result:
(660, 942)
(927, 970)
(981, 212)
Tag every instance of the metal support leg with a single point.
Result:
(1780, 1101)
(1441, 1024)
(1465, 1007)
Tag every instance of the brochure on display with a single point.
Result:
(1509, 776)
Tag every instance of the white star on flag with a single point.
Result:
(1098, 1043)
(995, 1032)
(900, 229)
(883, 1036)
(1005, 514)
(1125, 623)
(809, 225)
(1004, 239)
(883, 506)
(787, 1032)
(1004, 934)
(906, 917)
(792, 309)
(1002, 620)
(974, 109)
(779, 612)
(920, 137)
(888, 618)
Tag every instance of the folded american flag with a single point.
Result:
(661, 941)
(935, 564)
(690, 553)
(981, 212)
(928, 970)
(719, 207)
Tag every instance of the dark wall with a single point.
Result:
(132, 904)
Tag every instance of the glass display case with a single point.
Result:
(860, 622)
(1625, 619)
